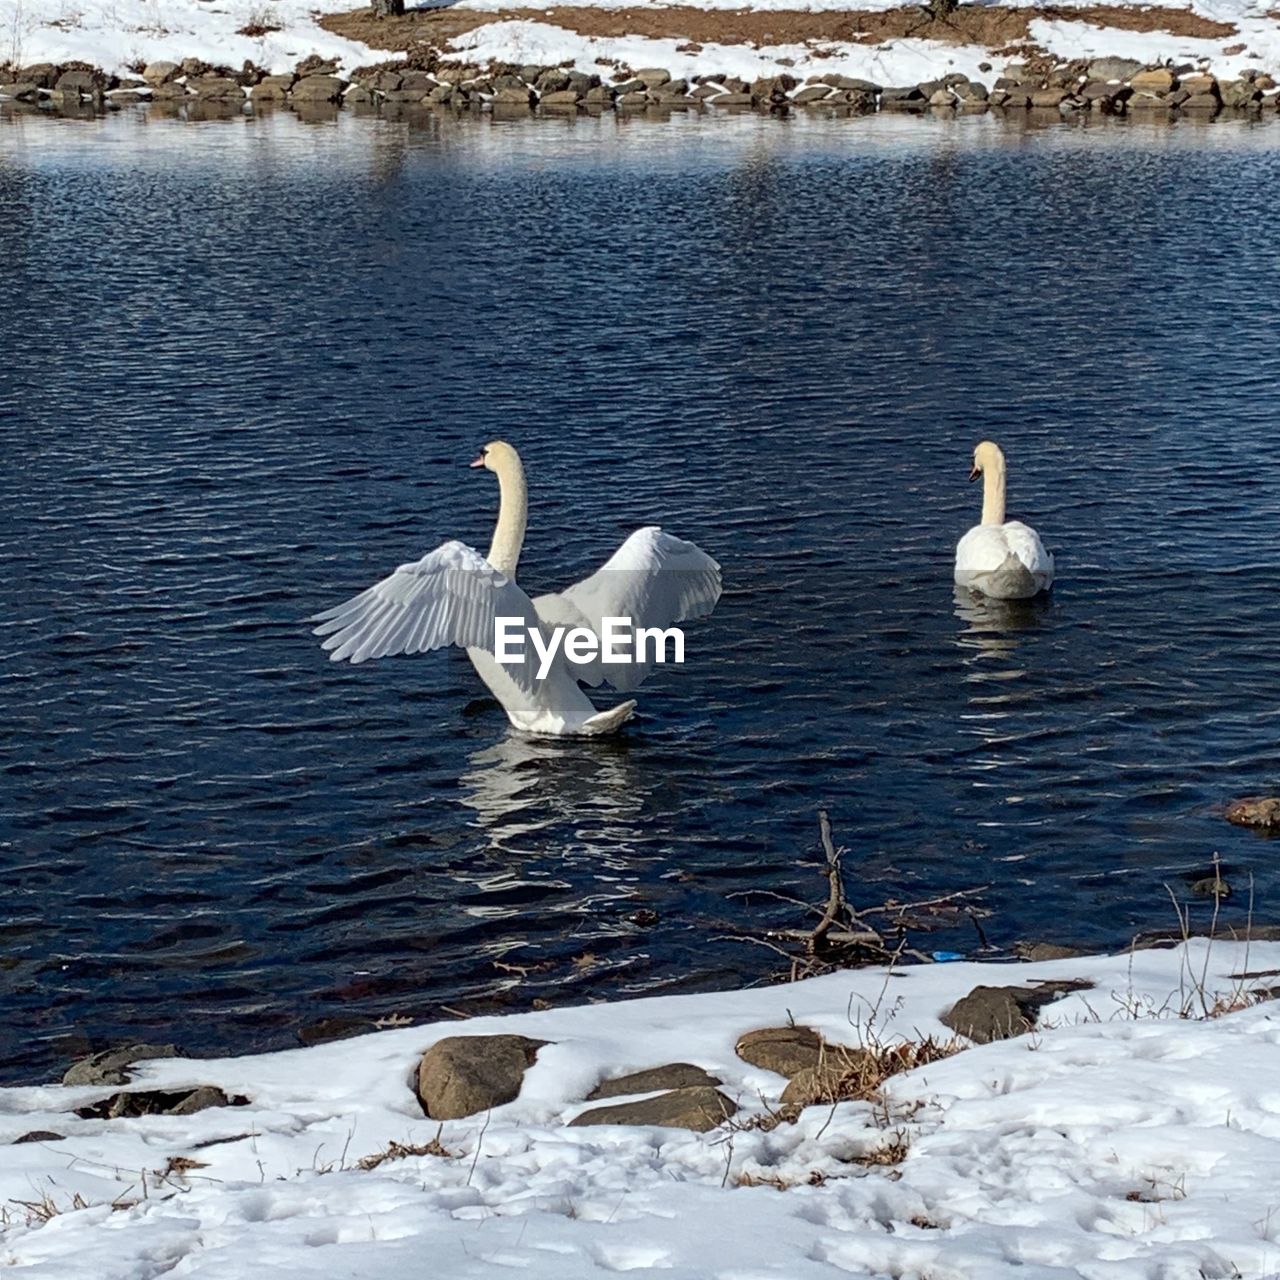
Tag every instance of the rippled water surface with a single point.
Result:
(243, 364)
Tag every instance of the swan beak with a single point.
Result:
(479, 462)
(973, 475)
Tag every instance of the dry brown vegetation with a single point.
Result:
(858, 1075)
(994, 27)
(256, 30)
(403, 1150)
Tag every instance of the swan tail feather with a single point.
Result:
(609, 721)
(1011, 581)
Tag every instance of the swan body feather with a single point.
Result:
(1006, 561)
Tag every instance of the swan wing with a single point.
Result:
(982, 550)
(453, 595)
(654, 579)
(1025, 543)
(557, 610)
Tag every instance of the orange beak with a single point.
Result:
(479, 462)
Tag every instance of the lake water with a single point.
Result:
(243, 364)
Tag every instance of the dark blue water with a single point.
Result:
(243, 364)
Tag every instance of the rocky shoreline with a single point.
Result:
(1111, 86)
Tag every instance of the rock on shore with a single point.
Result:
(1109, 86)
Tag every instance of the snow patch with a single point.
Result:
(1123, 1139)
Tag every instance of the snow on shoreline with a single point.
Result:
(117, 34)
(126, 33)
(1122, 1142)
(900, 63)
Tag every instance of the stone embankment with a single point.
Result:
(1112, 86)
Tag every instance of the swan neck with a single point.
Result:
(993, 494)
(513, 511)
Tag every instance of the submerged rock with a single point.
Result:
(1035, 951)
(1262, 812)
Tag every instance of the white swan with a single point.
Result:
(1001, 558)
(453, 595)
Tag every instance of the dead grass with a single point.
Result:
(177, 1166)
(858, 1075)
(814, 1178)
(37, 1212)
(994, 26)
(256, 30)
(403, 1150)
(891, 1150)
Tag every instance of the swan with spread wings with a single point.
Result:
(454, 595)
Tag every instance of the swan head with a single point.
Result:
(497, 455)
(988, 456)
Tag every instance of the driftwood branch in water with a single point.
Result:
(842, 936)
(835, 887)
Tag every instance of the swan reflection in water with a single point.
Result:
(522, 787)
(995, 627)
(994, 668)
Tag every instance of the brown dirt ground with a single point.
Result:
(970, 24)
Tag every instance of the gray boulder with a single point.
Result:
(699, 1109)
(159, 1102)
(43, 74)
(215, 87)
(652, 77)
(464, 1075)
(318, 89)
(160, 72)
(1000, 1013)
(552, 81)
(675, 1075)
(111, 1066)
(83, 82)
(786, 1050)
(561, 100)
(513, 97)
(1113, 68)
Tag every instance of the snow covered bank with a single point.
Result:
(1120, 1141)
(125, 33)
(1226, 37)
